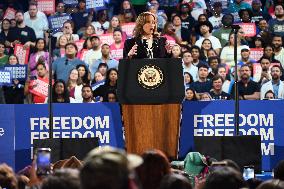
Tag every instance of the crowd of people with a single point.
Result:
(199, 33)
(111, 168)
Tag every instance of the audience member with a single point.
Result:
(202, 84)
(87, 94)
(94, 53)
(111, 96)
(84, 74)
(188, 65)
(276, 24)
(216, 92)
(60, 92)
(174, 181)
(279, 170)
(188, 79)
(277, 43)
(74, 85)
(190, 95)
(102, 23)
(272, 184)
(269, 95)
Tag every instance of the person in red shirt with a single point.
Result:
(38, 96)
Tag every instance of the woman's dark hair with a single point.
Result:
(110, 92)
(272, 184)
(108, 74)
(190, 76)
(175, 181)
(5, 19)
(204, 16)
(85, 42)
(132, 10)
(194, 93)
(14, 56)
(65, 92)
(37, 40)
(155, 166)
(85, 78)
(100, 14)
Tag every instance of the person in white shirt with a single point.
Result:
(101, 25)
(277, 43)
(36, 21)
(67, 30)
(216, 18)
(188, 66)
(205, 29)
(275, 84)
(95, 53)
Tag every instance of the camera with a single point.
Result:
(42, 157)
(248, 172)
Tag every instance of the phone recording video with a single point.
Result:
(42, 157)
(248, 172)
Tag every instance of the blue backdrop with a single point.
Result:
(23, 123)
(216, 118)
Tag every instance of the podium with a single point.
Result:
(150, 91)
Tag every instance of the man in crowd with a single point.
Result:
(265, 71)
(61, 67)
(38, 23)
(276, 25)
(257, 13)
(248, 89)
(277, 43)
(275, 84)
(245, 57)
(216, 91)
(87, 94)
(205, 29)
(216, 18)
(105, 58)
(187, 21)
(188, 66)
(21, 34)
(203, 84)
(223, 33)
(196, 53)
(95, 53)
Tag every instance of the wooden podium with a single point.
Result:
(152, 127)
(151, 111)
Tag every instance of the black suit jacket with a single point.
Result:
(159, 50)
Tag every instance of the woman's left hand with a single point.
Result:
(168, 47)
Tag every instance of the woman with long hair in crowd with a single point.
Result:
(14, 94)
(146, 42)
(110, 85)
(127, 13)
(59, 51)
(176, 51)
(102, 23)
(190, 95)
(169, 33)
(205, 47)
(115, 25)
(89, 31)
(5, 27)
(74, 86)
(40, 53)
(268, 52)
(84, 74)
(60, 92)
(188, 79)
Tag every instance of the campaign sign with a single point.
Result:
(106, 38)
(91, 4)
(85, 120)
(5, 78)
(10, 13)
(249, 29)
(128, 28)
(216, 118)
(19, 72)
(21, 53)
(83, 54)
(56, 22)
(39, 87)
(70, 2)
(46, 6)
(256, 53)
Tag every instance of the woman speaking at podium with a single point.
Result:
(146, 42)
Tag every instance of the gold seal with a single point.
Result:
(150, 76)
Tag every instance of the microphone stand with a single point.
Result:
(235, 29)
(50, 108)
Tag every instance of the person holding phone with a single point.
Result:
(146, 42)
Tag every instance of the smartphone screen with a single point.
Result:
(248, 172)
(43, 161)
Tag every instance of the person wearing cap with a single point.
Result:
(205, 29)
(109, 167)
(245, 57)
(216, 18)
(187, 21)
(258, 13)
(146, 42)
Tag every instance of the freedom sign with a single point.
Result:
(256, 53)
(27, 122)
(46, 6)
(216, 118)
(39, 87)
(21, 53)
(128, 28)
(56, 22)
(19, 72)
(10, 13)
(106, 38)
(249, 29)
(5, 78)
(91, 4)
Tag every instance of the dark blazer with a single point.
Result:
(159, 50)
